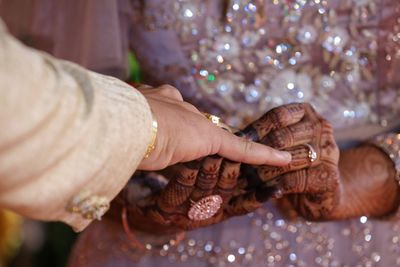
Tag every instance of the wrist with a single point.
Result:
(368, 186)
(390, 144)
(153, 138)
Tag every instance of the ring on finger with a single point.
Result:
(312, 154)
(205, 208)
(217, 121)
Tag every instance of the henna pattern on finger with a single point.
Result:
(274, 119)
(243, 188)
(315, 180)
(207, 177)
(290, 136)
(299, 161)
(228, 180)
(178, 190)
(229, 174)
(314, 185)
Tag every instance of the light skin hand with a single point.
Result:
(184, 134)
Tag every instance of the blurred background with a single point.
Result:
(27, 243)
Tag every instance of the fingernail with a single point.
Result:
(284, 155)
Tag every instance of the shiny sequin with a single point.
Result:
(247, 42)
(261, 54)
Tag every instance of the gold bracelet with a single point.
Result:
(154, 129)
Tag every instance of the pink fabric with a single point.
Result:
(92, 33)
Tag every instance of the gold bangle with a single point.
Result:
(154, 128)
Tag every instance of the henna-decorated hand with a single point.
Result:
(166, 211)
(312, 186)
(315, 188)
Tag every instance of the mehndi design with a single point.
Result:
(311, 186)
(166, 211)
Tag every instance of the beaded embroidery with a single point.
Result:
(260, 54)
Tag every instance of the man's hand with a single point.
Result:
(184, 134)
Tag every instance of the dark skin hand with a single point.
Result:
(166, 211)
(368, 183)
(359, 182)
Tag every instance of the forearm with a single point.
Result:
(369, 186)
(65, 131)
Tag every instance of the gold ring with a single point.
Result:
(214, 119)
(217, 121)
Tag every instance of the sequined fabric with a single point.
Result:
(264, 238)
(239, 58)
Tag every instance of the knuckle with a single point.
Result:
(170, 91)
(278, 139)
(216, 144)
(322, 122)
(278, 116)
(286, 115)
(296, 111)
(309, 108)
(189, 106)
(326, 125)
(247, 146)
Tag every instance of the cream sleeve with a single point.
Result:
(69, 138)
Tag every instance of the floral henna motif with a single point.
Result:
(177, 192)
(167, 210)
(316, 188)
(207, 177)
(314, 192)
(313, 184)
(274, 119)
(293, 135)
(228, 180)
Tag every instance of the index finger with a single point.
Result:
(240, 149)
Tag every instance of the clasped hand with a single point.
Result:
(311, 186)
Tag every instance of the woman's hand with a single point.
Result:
(360, 183)
(368, 184)
(313, 186)
(166, 209)
(184, 134)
